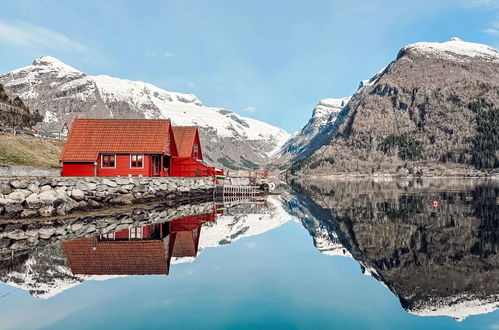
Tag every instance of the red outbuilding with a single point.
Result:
(132, 147)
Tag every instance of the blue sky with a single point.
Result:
(271, 60)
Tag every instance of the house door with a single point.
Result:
(156, 164)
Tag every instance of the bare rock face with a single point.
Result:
(60, 93)
(323, 115)
(436, 104)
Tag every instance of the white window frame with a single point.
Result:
(102, 161)
(143, 161)
(135, 233)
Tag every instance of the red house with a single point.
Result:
(132, 147)
(137, 251)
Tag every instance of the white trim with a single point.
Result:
(102, 161)
(143, 161)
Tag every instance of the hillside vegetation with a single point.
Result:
(425, 112)
(28, 150)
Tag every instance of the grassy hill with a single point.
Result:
(28, 150)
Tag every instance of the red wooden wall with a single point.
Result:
(188, 167)
(78, 169)
(122, 167)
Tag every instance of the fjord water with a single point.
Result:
(364, 254)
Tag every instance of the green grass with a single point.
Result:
(28, 150)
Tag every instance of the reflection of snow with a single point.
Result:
(459, 307)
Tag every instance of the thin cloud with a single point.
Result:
(494, 32)
(28, 35)
(491, 4)
(168, 54)
(250, 109)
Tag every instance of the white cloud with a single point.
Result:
(494, 32)
(29, 35)
(168, 54)
(250, 109)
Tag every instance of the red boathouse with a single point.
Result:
(132, 147)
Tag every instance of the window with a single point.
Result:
(196, 150)
(136, 161)
(109, 161)
(135, 233)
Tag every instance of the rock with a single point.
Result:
(81, 185)
(4, 243)
(46, 233)
(28, 213)
(34, 188)
(5, 189)
(61, 194)
(109, 183)
(48, 197)
(22, 184)
(127, 187)
(77, 194)
(140, 188)
(16, 196)
(122, 181)
(101, 188)
(94, 204)
(110, 228)
(6, 201)
(76, 226)
(25, 192)
(90, 229)
(46, 211)
(17, 234)
(91, 186)
(13, 209)
(163, 186)
(123, 199)
(33, 202)
(46, 188)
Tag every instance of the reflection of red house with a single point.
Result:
(137, 251)
(132, 147)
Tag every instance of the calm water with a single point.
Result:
(322, 255)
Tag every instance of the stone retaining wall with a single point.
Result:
(28, 171)
(18, 237)
(35, 197)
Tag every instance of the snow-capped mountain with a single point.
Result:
(423, 110)
(61, 93)
(455, 49)
(323, 114)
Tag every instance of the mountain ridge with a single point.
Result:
(62, 93)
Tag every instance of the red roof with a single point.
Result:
(117, 257)
(185, 136)
(89, 137)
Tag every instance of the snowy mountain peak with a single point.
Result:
(54, 63)
(328, 106)
(455, 49)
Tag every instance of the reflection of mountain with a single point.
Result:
(49, 270)
(438, 260)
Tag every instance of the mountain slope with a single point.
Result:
(325, 113)
(61, 93)
(435, 105)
